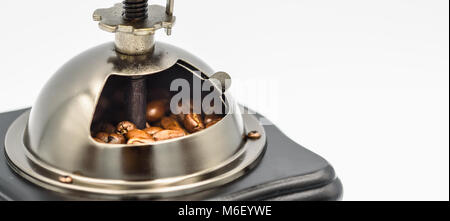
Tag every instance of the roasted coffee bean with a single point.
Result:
(139, 137)
(111, 138)
(156, 110)
(102, 136)
(152, 130)
(136, 133)
(168, 134)
(193, 123)
(140, 141)
(211, 117)
(169, 123)
(178, 117)
(125, 126)
(116, 139)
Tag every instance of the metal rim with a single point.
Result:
(31, 168)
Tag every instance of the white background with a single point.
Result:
(363, 83)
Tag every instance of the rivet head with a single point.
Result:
(65, 179)
(254, 135)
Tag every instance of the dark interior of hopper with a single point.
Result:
(113, 104)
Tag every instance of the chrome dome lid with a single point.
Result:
(58, 130)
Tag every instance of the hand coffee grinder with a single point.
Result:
(50, 154)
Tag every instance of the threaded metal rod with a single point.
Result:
(135, 9)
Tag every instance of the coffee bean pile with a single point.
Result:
(161, 125)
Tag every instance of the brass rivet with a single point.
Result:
(65, 179)
(254, 135)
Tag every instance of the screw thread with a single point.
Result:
(135, 9)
